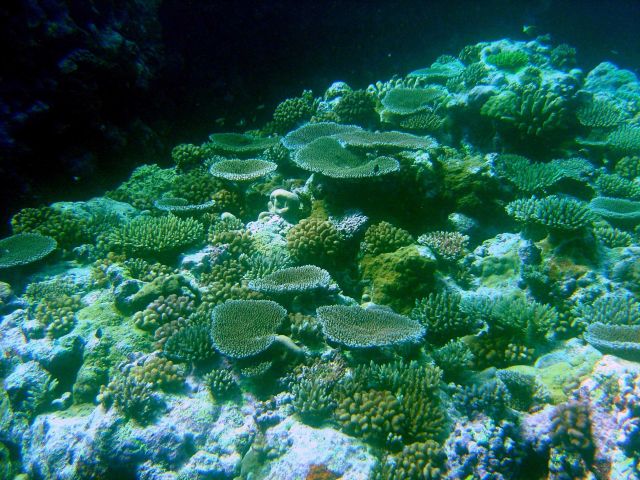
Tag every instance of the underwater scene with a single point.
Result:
(432, 277)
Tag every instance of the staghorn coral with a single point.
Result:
(628, 167)
(356, 327)
(221, 384)
(511, 60)
(449, 246)
(442, 317)
(600, 112)
(612, 237)
(625, 140)
(25, 248)
(455, 358)
(148, 236)
(608, 309)
(186, 340)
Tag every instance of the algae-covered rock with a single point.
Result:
(398, 278)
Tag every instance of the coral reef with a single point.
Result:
(338, 294)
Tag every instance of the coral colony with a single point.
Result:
(435, 277)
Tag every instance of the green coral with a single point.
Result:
(444, 68)
(423, 122)
(315, 241)
(417, 461)
(511, 60)
(306, 134)
(613, 185)
(145, 235)
(397, 278)
(455, 358)
(532, 112)
(196, 186)
(612, 237)
(245, 328)
(406, 101)
(67, 229)
(356, 107)
(356, 327)
(186, 340)
(383, 141)
(625, 140)
(443, 318)
(609, 310)
(449, 246)
(131, 397)
(242, 170)
(293, 280)
(628, 167)
(384, 237)
(181, 206)
(56, 313)
(294, 111)
(238, 144)
(328, 157)
(146, 184)
(555, 213)
(221, 384)
(620, 340)
(164, 310)
(619, 211)
(25, 248)
(187, 155)
(600, 112)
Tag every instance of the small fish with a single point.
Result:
(219, 121)
(530, 30)
(241, 123)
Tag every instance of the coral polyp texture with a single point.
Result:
(433, 277)
(356, 327)
(25, 248)
(241, 170)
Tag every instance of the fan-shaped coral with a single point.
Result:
(328, 157)
(25, 248)
(357, 327)
(245, 328)
(292, 280)
(242, 170)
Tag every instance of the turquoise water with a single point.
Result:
(435, 276)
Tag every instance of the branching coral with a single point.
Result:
(155, 235)
(442, 317)
(384, 237)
